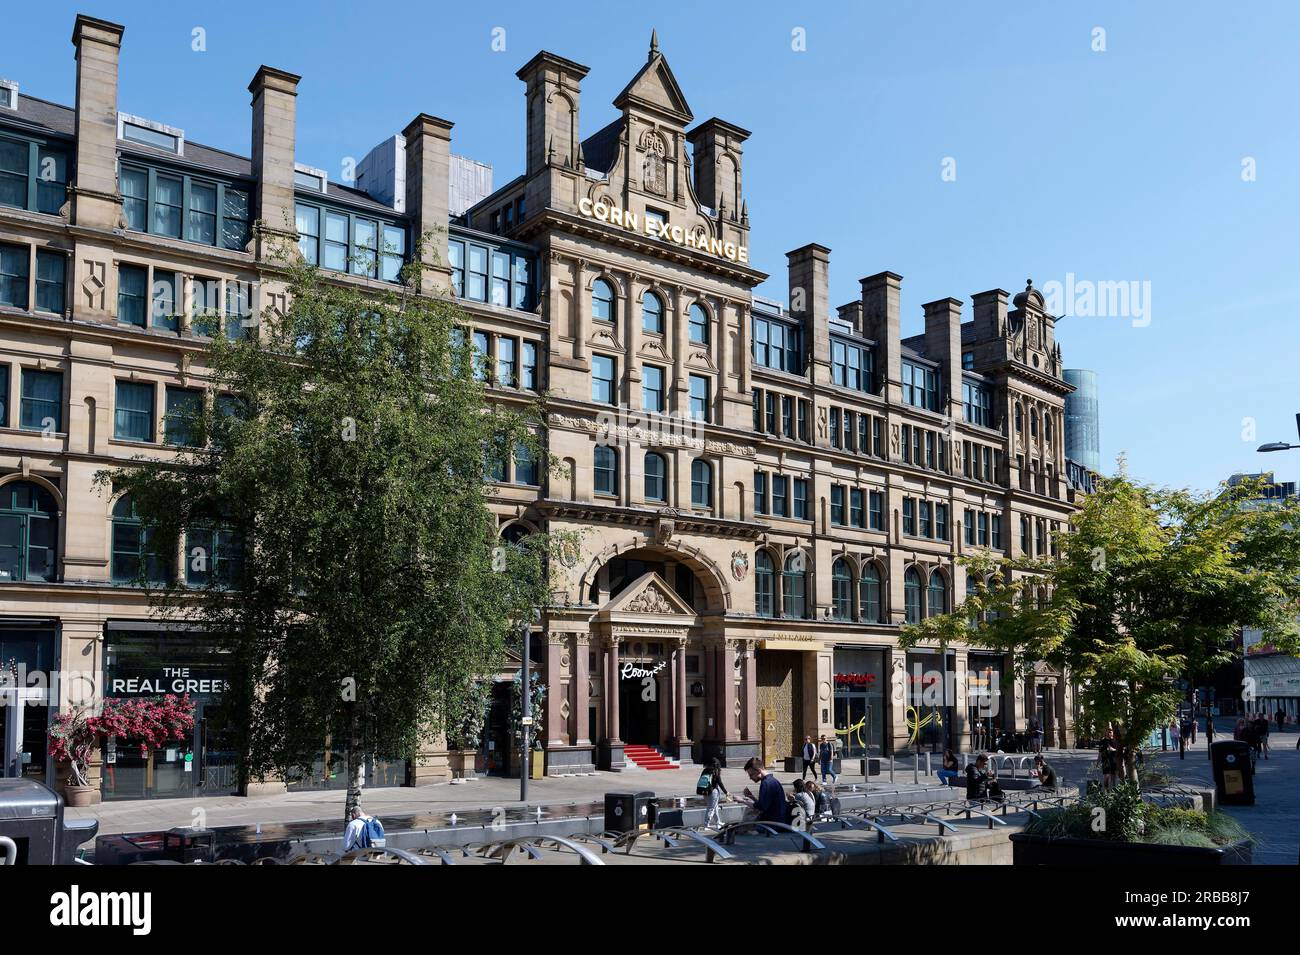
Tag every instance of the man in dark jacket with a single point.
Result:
(980, 781)
(770, 803)
(809, 758)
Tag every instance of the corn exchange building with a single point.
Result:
(765, 492)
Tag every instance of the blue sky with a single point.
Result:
(1122, 165)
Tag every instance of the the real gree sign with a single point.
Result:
(658, 229)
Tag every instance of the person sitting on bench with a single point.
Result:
(981, 783)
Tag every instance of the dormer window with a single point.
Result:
(145, 132)
(308, 177)
(657, 216)
(8, 94)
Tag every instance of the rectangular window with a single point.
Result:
(307, 222)
(521, 284)
(335, 250)
(857, 516)
(929, 450)
(365, 247)
(132, 295)
(525, 466)
(135, 198)
(941, 521)
(984, 529)
(835, 427)
(507, 373)
(33, 176)
(168, 203)
(850, 365)
(528, 380)
(770, 401)
(800, 499)
(758, 411)
(184, 412)
(988, 465)
(864, 438)
(837, 504)
(995, 531)
(456, 259)
(876, 512)
(4, 396)
(760, 492)
(15, 262)
(201, 222)
(780, 498)
(237, 310)
(477, 273)
(920, 386)
(652, 388)
(906, 443)
(133, 413)
(848, 430)
(500, 286)
(602, 379)
(803, 420)
(877, 437)
(482, 355)
(787, 416)
(51, 268)
(699, 398)
(42, 401)
(968, 526)
(162, 304)
(927, 529)
(909, 516)
(234, 219)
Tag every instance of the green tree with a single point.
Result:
(337, 539)
(1149, 584)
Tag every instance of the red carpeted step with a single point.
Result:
(647, 757)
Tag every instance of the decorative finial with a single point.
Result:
(1029, 283)
(654, 43)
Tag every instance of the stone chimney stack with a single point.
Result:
(552, 90)
(809, 268)
(882, 323)
(943, 344)
(95, 198)
(275, 110)
(990, 314)
(428, 173)
(716, 161)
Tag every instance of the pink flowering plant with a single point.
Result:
(149, 722)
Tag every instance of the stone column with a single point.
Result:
(960, 703)
(749, 709)
(611, 690)
(554, 690)
(683, 741)
(632, 364)
(579, 697)
(727, 698)
(681, 398)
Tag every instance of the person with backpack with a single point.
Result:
(826, 750)
(711, 787)
(363, 832)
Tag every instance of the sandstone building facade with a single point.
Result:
(765, 492)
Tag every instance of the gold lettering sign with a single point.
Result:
(655, 229)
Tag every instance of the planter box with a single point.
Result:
(1029, 849)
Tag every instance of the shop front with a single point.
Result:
(931, 700)
(860, 701)
(144, 659)
(986, 715)
(27, 659)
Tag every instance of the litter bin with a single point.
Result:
(184, 844)
(1234, 784)
(627, 811)
(31, 818)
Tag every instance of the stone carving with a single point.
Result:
(893, 440)
(664, 530)
(821, 423)
(650, 600)
(654, 168)
(739, 564)
(94, 283)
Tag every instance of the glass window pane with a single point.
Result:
(201, 225)
(50, 274)
(365, 241)
(42, 400)
(133, 414)
(167, 199)
(15, 157)
(14, 266)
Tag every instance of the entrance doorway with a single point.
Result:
(24, 718)
(780, 690)
(638, 709)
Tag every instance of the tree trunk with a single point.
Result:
(1128, 766)
(355, 764)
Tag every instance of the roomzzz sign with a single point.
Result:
(629, 671)
(655, 229)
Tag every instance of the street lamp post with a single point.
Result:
(1281, 445)
(526, 690)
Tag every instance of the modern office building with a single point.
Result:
(1083, 419)
(1274, 677)
(766, 492)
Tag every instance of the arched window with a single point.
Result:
(763, 585)
(652, 313)
(841, 590)
(1020, 419)
(656, 473)
(28, 532)
(1033, 423)
(937, 595)
(701, 483)
(602, 301)
(515, 532)
(605, 470)
(699, 324)
(869, 594)
(1047, 427)
(912, 596)
(135, 556)
(794, 586)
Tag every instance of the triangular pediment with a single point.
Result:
(648, 594)
(655, 89)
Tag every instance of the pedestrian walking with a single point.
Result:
(1176, 738)
(362, 832)
(826, 750)
(714, 789)
(1108, 755)
(1280, 717)
(1261, 733)
(1035, 735)
(809, 758)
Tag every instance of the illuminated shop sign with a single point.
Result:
(169, 680)
(630, 671)
(855, 679)
(657, 229)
